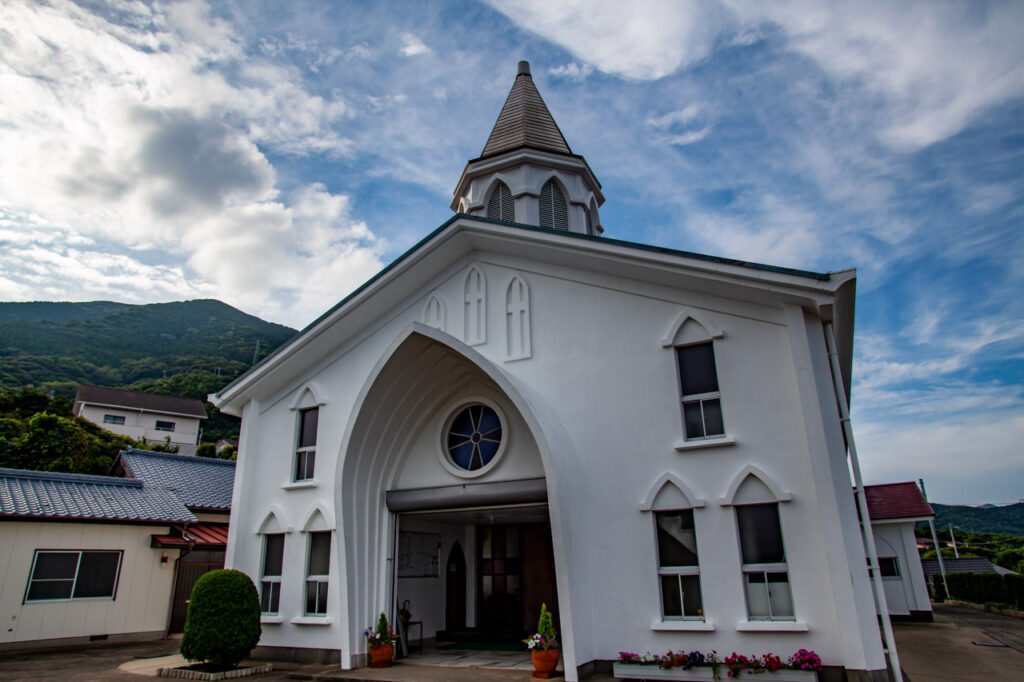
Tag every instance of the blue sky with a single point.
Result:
(276, 155)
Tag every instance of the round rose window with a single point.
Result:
(474, 436)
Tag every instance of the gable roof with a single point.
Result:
(139, 400)
(968, 564)
(57, 496)
(896, 501)
(199, 482)
(525, 121)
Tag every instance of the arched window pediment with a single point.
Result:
(690, 327)
(753, 486)
(318, 519)
(272, 523)
(670, 492)
(310, 395)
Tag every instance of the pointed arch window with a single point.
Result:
(500, 206)
(554, 212)
(517, 320)
(476, 308)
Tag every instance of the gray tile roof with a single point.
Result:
(139, 400)
(49, 495)
(525, 121)
(961, 565)
(199, 482)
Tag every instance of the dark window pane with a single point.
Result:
(488, 449)
(274, 556)
(889, 567)
(97, 574)
(307, 432)
(304, 462)
(671, 603)
(489, 421)
(50, 589)
(693, 420)
(311, 589)
(691, 595)
(697, 369)
(760, 534)
(462, 454)
(319, 553)
(677, 543)
(713, 425)
(51, 565)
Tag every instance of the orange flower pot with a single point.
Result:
(380, 656)
(544, 662)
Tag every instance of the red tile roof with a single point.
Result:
(213, 536)
(896, 501)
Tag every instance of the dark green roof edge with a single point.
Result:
(531, 228)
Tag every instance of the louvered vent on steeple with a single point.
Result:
(500, 206)
(553, 210)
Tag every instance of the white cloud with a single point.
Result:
(412, 46)
(572, 71)
(130, 135)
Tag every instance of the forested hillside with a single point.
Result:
(1007, 520)
(187, 348)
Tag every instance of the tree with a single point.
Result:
(223, 621)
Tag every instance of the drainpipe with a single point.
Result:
(935, 539)
(862, 504)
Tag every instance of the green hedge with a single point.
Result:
(223, 621)
(987, 587)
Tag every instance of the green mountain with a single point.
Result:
(1006, 520)
(186, 348)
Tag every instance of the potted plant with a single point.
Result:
(543, 646)
(381, 641)
(803, 666)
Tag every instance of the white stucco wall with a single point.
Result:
(141, 604)
(601, 395)
(908, 592)
(139, 424)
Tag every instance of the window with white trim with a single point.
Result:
(164, 426)
(305, 448)
(678, 568)
(270, 580)
(73, 574)
(701, 401)
(113, 419)
(317, 568)
(500, 205)
(889, 566)
(554, 212)
(765, 573)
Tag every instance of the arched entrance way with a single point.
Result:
(408, 497)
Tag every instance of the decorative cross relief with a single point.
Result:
(475, 308)
(517, 320)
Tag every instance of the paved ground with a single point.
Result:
(943, 651)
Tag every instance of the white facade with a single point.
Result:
(906, 592)
(155, 427)
(572, 341)
(139, 611)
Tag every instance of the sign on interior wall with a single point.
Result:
(419, 554)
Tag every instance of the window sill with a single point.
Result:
(298, 485)
(683, 626)
(771, 626)
(311, 620)
(270, 619)
(687, 445)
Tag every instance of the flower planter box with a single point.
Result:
(632, 671)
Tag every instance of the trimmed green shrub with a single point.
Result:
(987, 588)
(223, 621)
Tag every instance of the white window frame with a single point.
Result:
(271, 582)
(764, 569)
(679, 572)
(74, 580)
(895, 564)
(306, 455)
(167, 426)
(115, 419)
(700, 398)
(321, 580)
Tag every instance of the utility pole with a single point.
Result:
(935, 539)
(256, 353)
(953, 538)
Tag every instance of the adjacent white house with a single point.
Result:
(141, 415)
(520, 410)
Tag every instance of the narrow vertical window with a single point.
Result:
(270, 582)
(554, 212)
(500, 205)
(678, 568)
(476, 308)
(701, 401)
(517, 320)
(305, 450)
(765, 574)
(317, 570)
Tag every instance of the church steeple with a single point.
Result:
(527, 172)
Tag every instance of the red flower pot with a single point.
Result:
(380, 656)
(544, 662)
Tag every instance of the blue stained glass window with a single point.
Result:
(474, 437)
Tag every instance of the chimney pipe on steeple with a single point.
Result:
(524, 69)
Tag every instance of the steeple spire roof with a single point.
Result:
(525, 121)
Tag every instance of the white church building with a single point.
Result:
(520, 410)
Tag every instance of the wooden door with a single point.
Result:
(190, 567)
(499, 602)
(539, 586)
(455, 590)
